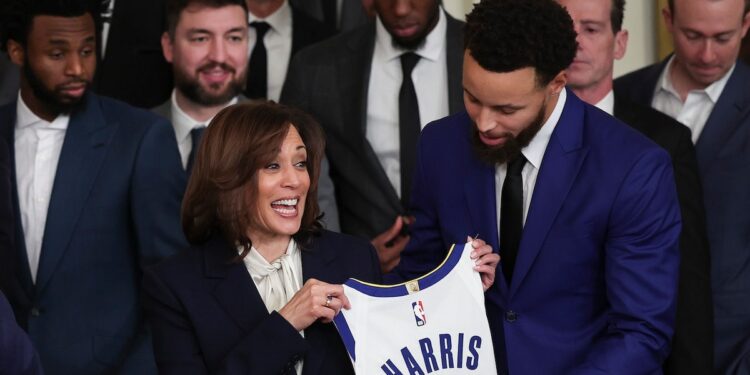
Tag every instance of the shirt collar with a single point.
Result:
(183, 123)
(280, 20)
(713, 90)
(534, 152)
(25, 117)
(607, 104)
(430, 49)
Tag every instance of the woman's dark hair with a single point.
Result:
(506, 35)
(223, 187)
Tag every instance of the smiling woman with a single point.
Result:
(257, 289)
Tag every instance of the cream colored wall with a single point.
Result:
(639, 21)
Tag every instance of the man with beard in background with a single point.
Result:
(206, 43)
(581, 207)
(96, 189)
(373, 89)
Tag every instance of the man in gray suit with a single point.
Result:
(207, 44)
(372, 89)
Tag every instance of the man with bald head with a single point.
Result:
(704, 86)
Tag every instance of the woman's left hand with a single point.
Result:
(486, 261)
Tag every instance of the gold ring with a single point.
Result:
(329, 298)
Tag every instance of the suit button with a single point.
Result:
(511, 316)
(35, 311)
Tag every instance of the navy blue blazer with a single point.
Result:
(207, 316)
(594, 286)
(114, 208)
(723, 153)
(17, 355)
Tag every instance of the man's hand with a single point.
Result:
(390, 243)
(486, 261)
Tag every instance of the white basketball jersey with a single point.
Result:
(436, 323)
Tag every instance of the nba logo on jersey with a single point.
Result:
(418, 309)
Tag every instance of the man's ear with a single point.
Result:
(558, 83)
(167, 46)
(16, 52)
(668, 20)
(621, 44)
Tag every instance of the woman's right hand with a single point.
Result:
(316, 300)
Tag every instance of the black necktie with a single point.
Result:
(511, 216)
(257, 70)
(409, 125)
(195, 136)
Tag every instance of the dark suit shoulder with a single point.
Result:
(344, 245)
(117, 111)
(330, 50)
(308, 30)
(659, 127)
(639, 85)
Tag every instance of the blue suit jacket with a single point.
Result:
(207, 315)
(595, 283)
(17, 355)
(114, 208)
(723, 152)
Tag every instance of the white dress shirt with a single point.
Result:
(183, 124)
(607, 104)
(430, 77)
(278, 281)
(698, 105)
(106, 25)
(534, 154)
(278, 42)
(37, 144)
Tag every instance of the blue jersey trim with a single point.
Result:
(398, 290)
(346, 334)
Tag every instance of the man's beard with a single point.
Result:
(192, 89)
(51, 99)
(512, 146)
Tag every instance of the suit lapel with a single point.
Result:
(455, 61)
(354, 83)
(562, 160)
(317, 264)
(236, 292)
(7, 126)
(479, 192)
(82, 155)
(725, 117)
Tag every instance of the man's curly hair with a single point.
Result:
(506, 35)
(16, 15)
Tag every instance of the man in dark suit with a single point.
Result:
(96, 192)
(582, 208)
(350, 15)
(704, 86)
(132, 68)
(354, 84)
(601, 40)
(277, 32)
